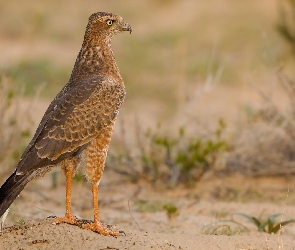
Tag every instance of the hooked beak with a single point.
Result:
(126, 27)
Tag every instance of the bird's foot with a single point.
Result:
(99, 228)
(69, 218)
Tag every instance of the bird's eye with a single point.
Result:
(109, 22)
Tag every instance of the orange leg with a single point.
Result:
(97, 226)
(69, 217)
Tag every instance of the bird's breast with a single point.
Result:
(93, 157)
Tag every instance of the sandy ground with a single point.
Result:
(145, 227)
(137, 209)
(43, 235)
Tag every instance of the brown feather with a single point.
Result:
(77, 126)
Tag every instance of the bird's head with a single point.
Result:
(103, 25)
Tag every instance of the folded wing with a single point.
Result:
(72, 121)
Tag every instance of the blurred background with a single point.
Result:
(175, 45)
(209, 83)
(208, 120)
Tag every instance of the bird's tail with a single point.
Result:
(11, 189)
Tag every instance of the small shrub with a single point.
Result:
(171, 160)
(21, 223)
(265, 147)
(267, 225)
(171, 211)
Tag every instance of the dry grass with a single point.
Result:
(14, 125)
(265, 146)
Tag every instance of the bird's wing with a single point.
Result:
(73, 120)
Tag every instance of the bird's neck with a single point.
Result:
(96, 59)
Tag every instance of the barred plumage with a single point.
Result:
(76, 129)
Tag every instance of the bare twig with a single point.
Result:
(134, 218)
(280, 240)
(45, 210)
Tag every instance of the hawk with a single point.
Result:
(76, 129)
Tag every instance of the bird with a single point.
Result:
(76, 129)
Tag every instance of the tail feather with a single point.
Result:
(11, 189)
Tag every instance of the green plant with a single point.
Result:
(170, 160)
(200, 154)
(171, 211)
(267, 225)
(186, 158)
(21, 223)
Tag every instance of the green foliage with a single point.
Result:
(267, 225)
(21, 223)
(171, 211)
(171, 160)
(187, 158)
